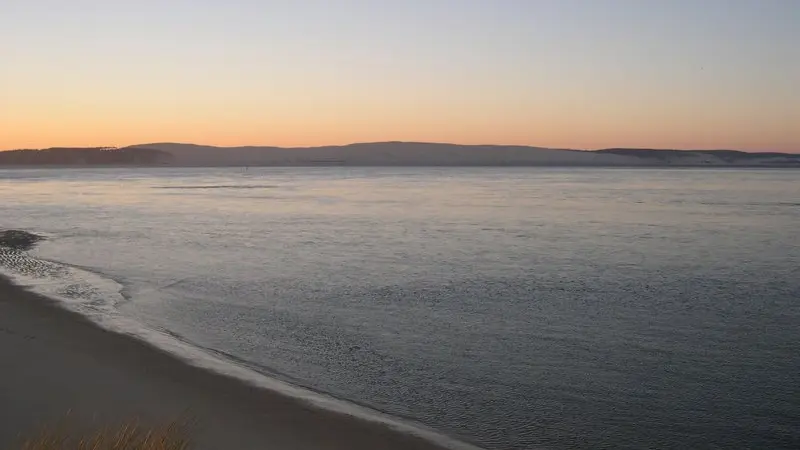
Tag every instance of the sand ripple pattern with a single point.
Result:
(65, 282)
(21, 263)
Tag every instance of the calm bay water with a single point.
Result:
(511, 308)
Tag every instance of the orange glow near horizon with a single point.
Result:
(305, 114)
(72, 130)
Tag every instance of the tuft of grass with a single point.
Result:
(128, 436)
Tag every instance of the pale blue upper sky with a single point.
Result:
(561, 73)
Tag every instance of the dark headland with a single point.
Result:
(389, 154)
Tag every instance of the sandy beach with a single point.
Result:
(55, 363)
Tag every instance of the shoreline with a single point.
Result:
(56, 361)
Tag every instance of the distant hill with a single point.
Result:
(96, 156)
(434, 154)
(382, 154)
(390, 154)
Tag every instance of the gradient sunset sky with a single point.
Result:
(554, 73)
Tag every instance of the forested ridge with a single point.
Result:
(93, 156)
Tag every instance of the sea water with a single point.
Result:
(512, 308)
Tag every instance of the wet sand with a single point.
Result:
(55, 363)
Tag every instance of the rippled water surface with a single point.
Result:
(512, 308)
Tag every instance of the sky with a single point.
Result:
(553, 73)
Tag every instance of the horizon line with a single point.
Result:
(114, 147)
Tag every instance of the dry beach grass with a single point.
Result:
(127, 436)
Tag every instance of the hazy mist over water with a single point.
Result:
(512, 308)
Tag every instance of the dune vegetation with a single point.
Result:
(127, 436)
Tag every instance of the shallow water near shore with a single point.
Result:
(511, 308)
